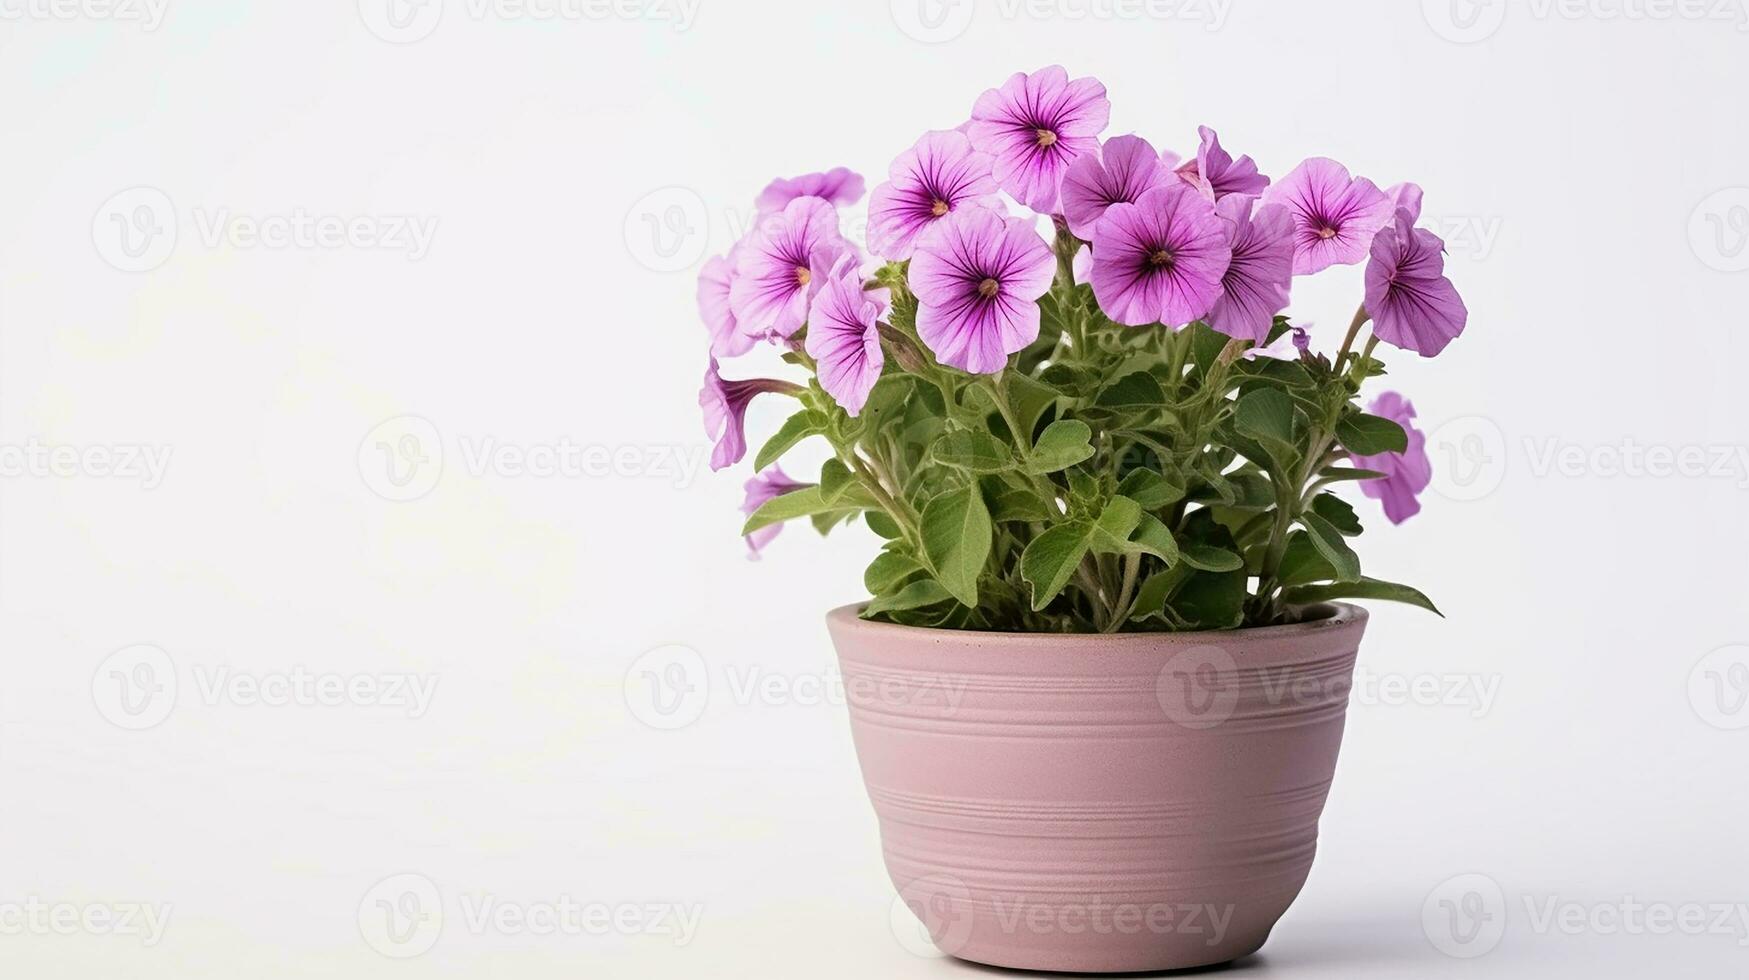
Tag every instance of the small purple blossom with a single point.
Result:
(1034, 126)
(1335, 215)
(1161, 259)
(1256, 284)
(1118, 172)
(843, 338)
(935, 177)
(714, 281)
(1216, 169)
(1406, 474)
(1413, 305)
(761, 488)
(1287, 347)
(781, 266)
(839, 187)
(725, 411)
(978, 276)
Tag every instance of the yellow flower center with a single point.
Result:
(803, 276)
(1326, 233)
(939, 208)
(1046, 137)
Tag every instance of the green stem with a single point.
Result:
(1371, 343)
(1131, 569)
(899, 512)
(1180, 344)
(1361, 316)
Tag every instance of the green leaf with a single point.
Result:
(882, 525)
(1270, 370)
(799, 426)
(1338, 512)
(1216, 483)
(923, 592)
(826, 520)
(1153, 538)
(1013, 504)
(796, 503)
(1030, 398)
(973, 451)
(1150, 602)
(1301, 564)
(1211, 601)
(1205, 345)
(956, 539)
(1139, 389)
(1063, 444)
(1368, 435)
(1117, 520)
(1051, 559)
(1366, 588)
(1208, 558)
(1328, 540)
(887, 398)
(1336, 474)
(887, 570)
(1266, 414)
(835, 478)
(1150, 489)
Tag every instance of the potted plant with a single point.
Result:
(1098, 692)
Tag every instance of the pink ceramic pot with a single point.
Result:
(1098, 803)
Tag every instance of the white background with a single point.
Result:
(1588, 164)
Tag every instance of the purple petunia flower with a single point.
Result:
(1413, 305)
(977, 276)
(714, 281)
(1406, 474)
(1034, 126)
(1335, 215)
(781, 265)
(725, 411)
(1215, 169)
(938, 175)
(838, 187)
(1117, 173)
(1406, 197)
(763, 487)
(1256, 284)
(842, 336)
(1161, 259)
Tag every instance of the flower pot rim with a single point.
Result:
(1341, 615)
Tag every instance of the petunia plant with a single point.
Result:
(1063, 390)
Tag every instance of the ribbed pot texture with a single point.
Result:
(1098, 804)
